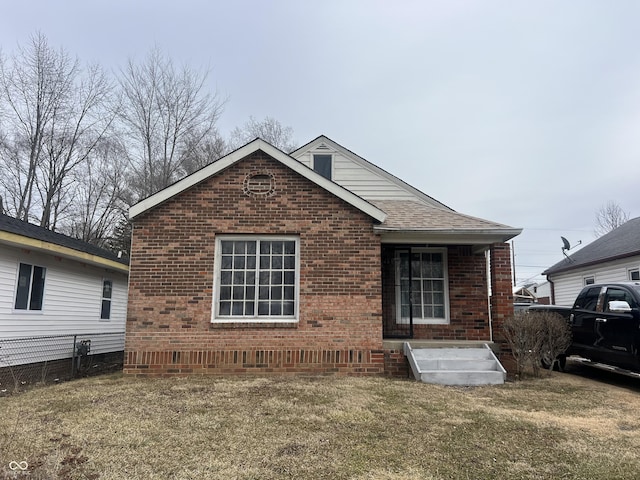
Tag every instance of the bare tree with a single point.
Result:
(98, 198)
(207, 150)
(34, 86)
(609, 217)
(54, 114)
(166, 116)
(269, 129)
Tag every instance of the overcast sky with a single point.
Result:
(521, 112)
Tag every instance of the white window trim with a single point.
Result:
(586, 278)
(215, 318)
(313, 162)
(426, 321)
(630, 271)
(27, 311)
(105, 279)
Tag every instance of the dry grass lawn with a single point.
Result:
(115, 427)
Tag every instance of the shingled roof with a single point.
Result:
(19, 228)
(621, 242)
(416, 216)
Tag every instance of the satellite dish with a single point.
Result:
(567, 246)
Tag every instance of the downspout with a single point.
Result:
(552, 287)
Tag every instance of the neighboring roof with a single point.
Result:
(621, 242)
(523, 292)
(322, 139)
(416, 217)
(22, 234)
(237, 155)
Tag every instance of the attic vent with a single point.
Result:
(259, 184)
(322, 146)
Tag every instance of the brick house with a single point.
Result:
(316, 261)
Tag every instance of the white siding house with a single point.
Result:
(54, 285)
(614, 257)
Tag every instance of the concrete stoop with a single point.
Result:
(455, 366)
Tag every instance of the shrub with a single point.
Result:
(536, 339)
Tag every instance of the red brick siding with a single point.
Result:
(396, 364)
(501, 298)
(171, 281)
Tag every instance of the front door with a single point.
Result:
(421, 292)
(414, 284)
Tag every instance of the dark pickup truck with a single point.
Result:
(605, 324)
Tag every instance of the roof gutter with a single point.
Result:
(21, 241)
(573, 266)
(512, 232)
(446, 236)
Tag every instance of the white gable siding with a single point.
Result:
(568, 285)
(542, 290)
(71, 303)
(359, 179)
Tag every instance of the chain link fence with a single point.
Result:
(54, 358)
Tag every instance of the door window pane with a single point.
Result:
(422, 285)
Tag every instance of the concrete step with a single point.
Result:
(455, 366)
(452, 377)
(457, 353)
(460, 364)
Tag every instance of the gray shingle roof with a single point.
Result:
(622, 242)
(417, 216)
(18, 227)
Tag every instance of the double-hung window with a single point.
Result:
(107, 291)
(30, 290)
(256, 279)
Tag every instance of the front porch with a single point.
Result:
(443, 296)
(435, 292)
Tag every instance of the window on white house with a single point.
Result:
(590, 280)
(30, 290)
(634, 274)
(423, 291)
(257, 279)
(107, 291)
(322, 165)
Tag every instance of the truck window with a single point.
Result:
(620, 295)
(588, 299)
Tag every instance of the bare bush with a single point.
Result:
(536, 339)
(556, 335)
(524, 336)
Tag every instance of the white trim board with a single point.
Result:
(228, 160)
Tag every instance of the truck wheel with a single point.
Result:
(561, 362)
(558, 363)
(546, 361)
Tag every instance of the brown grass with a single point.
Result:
(117, 427)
